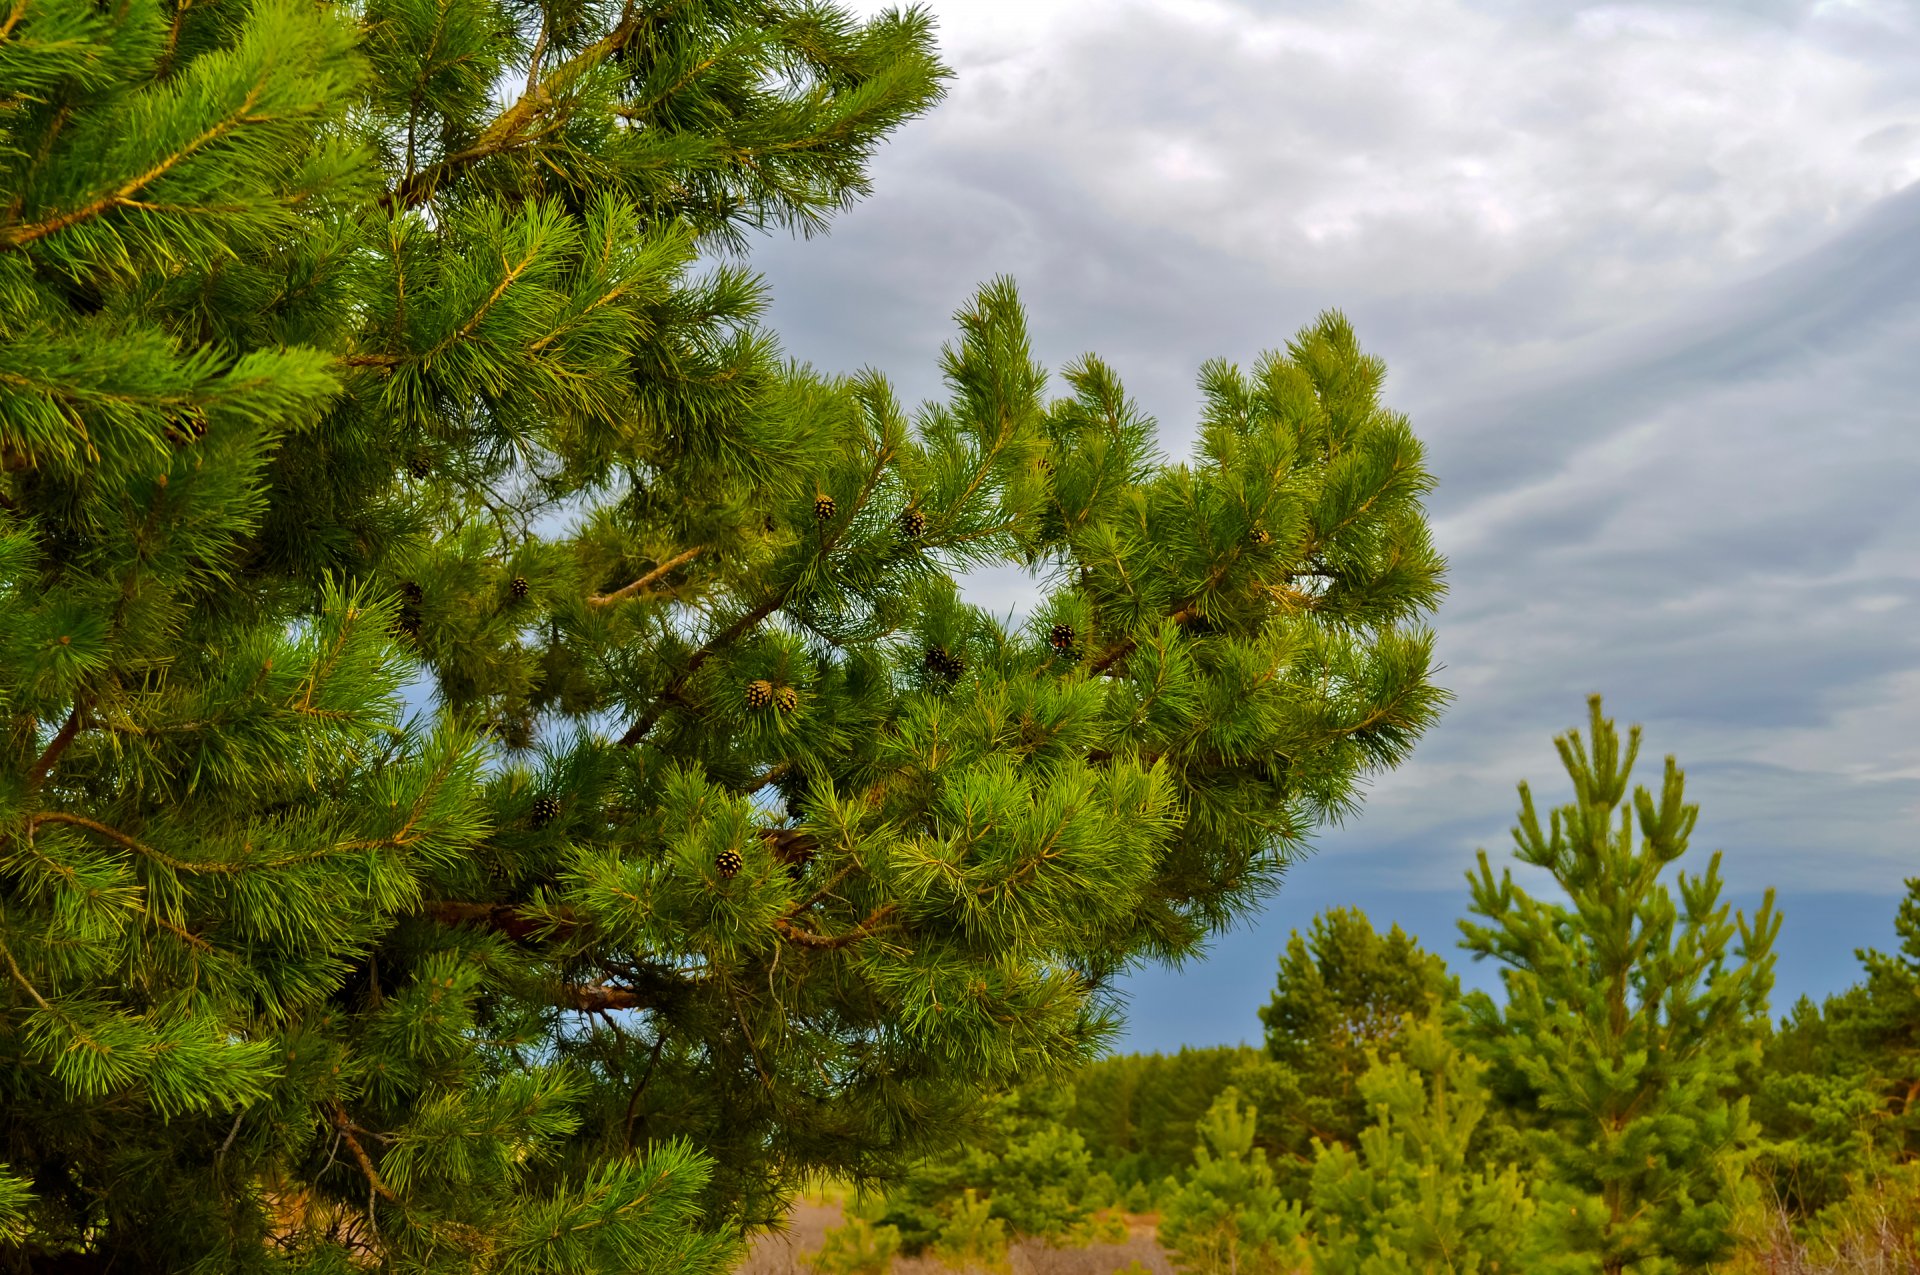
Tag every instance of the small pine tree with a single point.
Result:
(856, 1247)
(1408, 1200)
(971, 1239)
(1626, 1028)
(1228, 1217)
(1345, 991)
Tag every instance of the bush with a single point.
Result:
(858, 1248)
(971, 1239)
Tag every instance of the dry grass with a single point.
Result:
(807, 1227)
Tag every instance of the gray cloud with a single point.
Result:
(1644, 278)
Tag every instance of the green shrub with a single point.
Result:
(857, 1248)
(1228, 1217)
(972, 1239)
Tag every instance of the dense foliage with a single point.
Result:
(355, 357)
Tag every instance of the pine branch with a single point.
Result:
(648, 580)
(121, 838)
(21, 979)
(346, 1128)
(512, 128)
(1123, 648)
(876, 921)
(19, 236)
(41, 768)
(638, 731)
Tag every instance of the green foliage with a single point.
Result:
(1408, 1200)
(15, 1196)
(1818, 1108)
(1880, 1025)
(856, 1248)
(1628, 1037)
(1228, 1216)
(394, 870)
(1344, 992)
(971, 1239)
(1030, 1171)
(1140, 1113)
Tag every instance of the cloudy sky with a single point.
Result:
(1645, 276)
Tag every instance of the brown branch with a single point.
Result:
(43, 767)
(346, 1128)
(504, 917)
(185, 935)
(598, 1000)
(510, 129)
(17, 236)
(1123, 648)
(115, 835)
(767, 776)
(21, 979)
(767, 607)
(648, 580)
(876, 920)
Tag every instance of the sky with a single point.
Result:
(1646, 278)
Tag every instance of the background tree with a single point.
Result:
(1228, 1217)
(1140, 1114)
(1345, 992)
(1628, 1038)
(1879, 1024)
(1819, 1108)
(1408, 1199)
(353, 355)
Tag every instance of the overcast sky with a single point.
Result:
(1645, 279)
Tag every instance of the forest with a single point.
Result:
(1632, 1106)
(500, 773)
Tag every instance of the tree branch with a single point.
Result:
(648, 580)
(510, 128)
(121, 838)
(876, 920)
(638, 731)
(346, 1128)
(1123, 648)
(43, 767)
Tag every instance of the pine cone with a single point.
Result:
(544, 809)
(823, 508)
(1060, 637)
(759, 693)
(786, 699)
(420, 465)
(944, 664)
(727, 863)
(411, 592)
(519, 587)
(1260, 536)
(913, 524)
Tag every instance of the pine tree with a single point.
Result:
(1345, 991)
(1882, 1032)
(972, 1241)
(1408, 1200)
(352, 356)
(1819, 1107)
(1228, 1217)
(1626, 1027)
